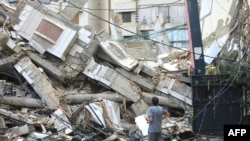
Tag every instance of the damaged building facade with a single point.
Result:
(62, 77)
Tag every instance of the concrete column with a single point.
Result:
(100, 8)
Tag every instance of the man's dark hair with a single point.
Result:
(155, 101)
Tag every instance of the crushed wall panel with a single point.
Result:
(39, 81)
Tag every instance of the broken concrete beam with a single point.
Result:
(79, 98)
(164, 100)
(140, 107)
(61, 121)
(69, 12)
(11, 115)
(3, 38)
(39, 81)
(111, 79)
(22, 130)
(105, 57)
(176, 89)
(2, 123)
(21, 101)
(46, 65)
(5, 63)
(74, 64)
(139, 80)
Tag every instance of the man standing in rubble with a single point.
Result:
(154, 117)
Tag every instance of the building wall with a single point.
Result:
(121, 9)
(144, 13)
(100, 8)
(138, 9)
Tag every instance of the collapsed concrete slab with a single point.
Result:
(80, 98)
(113, 80)
(77, 58)
(70, 12)
(22, 130)
(47, 66)
(39, 81)
(115, 51)
(144, 83)
(140, 107)
(142, 50)
(21, 101)
(23, 118)
(44, 32)
(165, 100)
(57, 117)
(176, 89)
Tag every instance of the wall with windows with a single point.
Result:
(126, 11)
(140, 17)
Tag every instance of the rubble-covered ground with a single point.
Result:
(59, 81)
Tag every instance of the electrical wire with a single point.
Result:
(136, 33)
(141, 36)
(100, 18)
(118, 25)
(219, 93)
(154, 33)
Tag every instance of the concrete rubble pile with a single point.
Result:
(59, 81)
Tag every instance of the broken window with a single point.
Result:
(126, 17)
(49, 31)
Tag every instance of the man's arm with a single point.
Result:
(166, 115)
(149, 119)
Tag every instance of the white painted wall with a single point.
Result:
(99, 8)
(177, 13)
(83, 17)
(219, 12)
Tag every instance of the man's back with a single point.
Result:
(156, 113)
